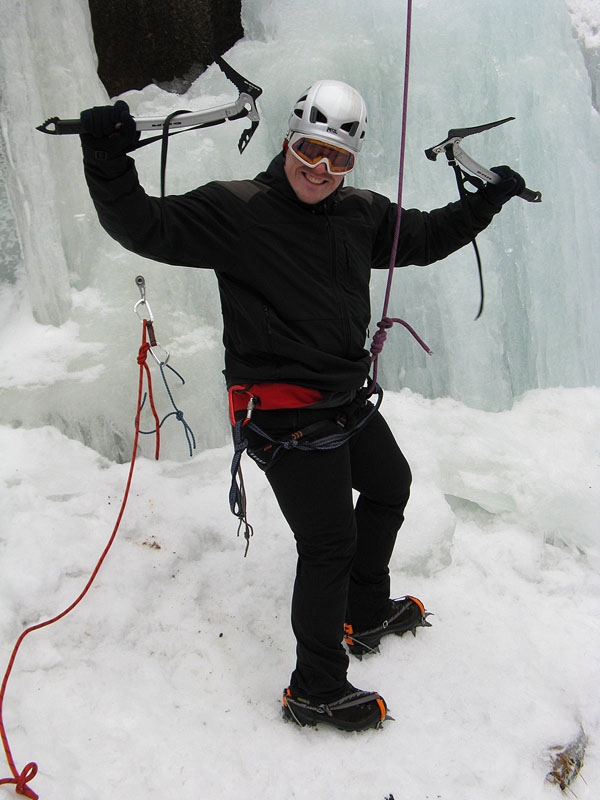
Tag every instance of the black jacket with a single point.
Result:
(293, 278)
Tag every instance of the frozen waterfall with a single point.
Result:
(69, 338)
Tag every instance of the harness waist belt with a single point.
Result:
(269, 397)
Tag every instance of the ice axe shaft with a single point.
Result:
(244, 106)
(454, 152)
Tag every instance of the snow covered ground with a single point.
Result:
(166, 680)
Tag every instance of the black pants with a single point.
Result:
(343, 548)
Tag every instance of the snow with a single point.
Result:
(166, 679)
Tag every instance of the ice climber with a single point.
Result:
(293, 251)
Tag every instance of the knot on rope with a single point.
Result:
(28, 773)
(380, 336)
(143, 353)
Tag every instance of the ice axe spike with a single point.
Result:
(244, 106)
(454, 153)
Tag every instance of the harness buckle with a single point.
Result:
(250, 407)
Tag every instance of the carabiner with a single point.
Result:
(141, 284)
(161, 362)
(143, 302)
(149, 320)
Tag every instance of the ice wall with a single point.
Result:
(69, 338)
(585, 17)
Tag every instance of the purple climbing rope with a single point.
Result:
(386, 322)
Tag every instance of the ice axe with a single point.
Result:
(454, 153)
(456, 156)
(244, 106)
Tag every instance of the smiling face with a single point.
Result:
(310, 184)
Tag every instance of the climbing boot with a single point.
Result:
(355, 711)
(405, 614)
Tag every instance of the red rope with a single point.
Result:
(22, 779)
(142, 361)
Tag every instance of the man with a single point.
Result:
(293, 250)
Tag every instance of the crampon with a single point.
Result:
(355, 711)
(405, 614)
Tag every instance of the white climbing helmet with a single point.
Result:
(331, 111)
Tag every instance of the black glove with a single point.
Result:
(510, 185)
(109, 131)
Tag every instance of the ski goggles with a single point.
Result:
(312, 152)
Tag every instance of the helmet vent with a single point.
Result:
(317, 116)
(350, 127)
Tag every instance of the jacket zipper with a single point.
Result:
(343, 306)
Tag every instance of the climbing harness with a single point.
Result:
(183, 120)
(21, 779)
(456, 156)
(328, 434)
